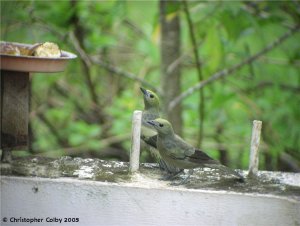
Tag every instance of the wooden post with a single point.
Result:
(135, 141)
(14, 111)
(253, 162)
(1, 88)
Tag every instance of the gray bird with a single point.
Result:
(175, 151)
(148, 133)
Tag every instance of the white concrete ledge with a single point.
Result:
(99, 192)
(137, 203)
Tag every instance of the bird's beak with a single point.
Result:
(144, 91)
(152, 123)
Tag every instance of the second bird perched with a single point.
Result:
(148, 133)
(177, 152)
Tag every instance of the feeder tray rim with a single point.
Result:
(64, 54)
(33, 64)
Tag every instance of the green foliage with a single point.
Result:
(65, 115)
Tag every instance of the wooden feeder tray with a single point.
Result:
(14, 94)
(32, 63)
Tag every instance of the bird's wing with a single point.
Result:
(152, 141)
(200, 157)
(181, 150)
(177, 148)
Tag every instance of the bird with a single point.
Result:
(176, 151)
(149, 134)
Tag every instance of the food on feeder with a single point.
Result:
(26, 51)
(9, 49)
(47, 49)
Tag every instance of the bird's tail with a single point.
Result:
(230, 171)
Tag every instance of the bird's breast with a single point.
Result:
(147, 131)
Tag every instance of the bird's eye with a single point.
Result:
(161, 125)
(151, 96)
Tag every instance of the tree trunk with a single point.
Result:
(170, 66)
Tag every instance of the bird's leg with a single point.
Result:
(162, 165)
(172, 175)
(185, 180)
(6, 155)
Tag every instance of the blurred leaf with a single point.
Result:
(213, 50)
(81, 132)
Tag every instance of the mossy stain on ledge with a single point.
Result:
(275, 183)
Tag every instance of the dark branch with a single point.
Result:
(265, 84)
(117, 71)
(230, 71)
(199, 70)
(120, 72)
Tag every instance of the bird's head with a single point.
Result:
(150, 98)
(162, 126)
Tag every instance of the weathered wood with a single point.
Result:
(135, 141)
(14, 109)
(0, 108)
(253, 164)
